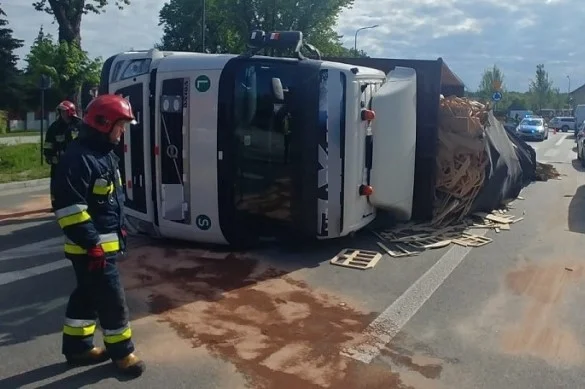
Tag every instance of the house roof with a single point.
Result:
(578, 89)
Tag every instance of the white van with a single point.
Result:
(579, 114)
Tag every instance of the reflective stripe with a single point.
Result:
(78, 322)
(77, 327)
(70, 210)
(48, 145)
(110, 244)
(101, 187)
(117, 336)
(73, 214)
(60, 138)
(119, 177)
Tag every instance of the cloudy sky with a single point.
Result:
(469, 35)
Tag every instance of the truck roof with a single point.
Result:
(183, 61)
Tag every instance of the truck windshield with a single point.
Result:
(262, 114)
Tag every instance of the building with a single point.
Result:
(578, 96)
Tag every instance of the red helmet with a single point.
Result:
(68, 107)
(105, 110)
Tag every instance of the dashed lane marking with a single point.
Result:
(43, 247)
(7, 278)
(551, 153)
(560, 141)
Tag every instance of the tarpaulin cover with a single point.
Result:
(511, 167)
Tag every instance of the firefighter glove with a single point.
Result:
(97, 258)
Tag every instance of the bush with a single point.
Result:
(3, 122)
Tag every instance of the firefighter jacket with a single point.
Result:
(89, 198)
(59, 136)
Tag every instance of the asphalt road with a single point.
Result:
(499, 316)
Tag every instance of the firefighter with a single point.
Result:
(59, 135)
(88, 207)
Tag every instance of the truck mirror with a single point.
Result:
(277, 90)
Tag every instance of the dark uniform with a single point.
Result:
(88, 205)
(59, 135)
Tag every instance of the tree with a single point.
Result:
(490, 80)
(8, 71)
(68, 14)
(68, 66)
(229, 22)
(541, 88)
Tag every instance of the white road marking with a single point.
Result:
(47, 246)
(560, 141)
(551, 153)
(7, 278)
(386, 326)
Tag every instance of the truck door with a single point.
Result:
(131, 77)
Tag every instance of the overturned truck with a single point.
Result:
(229, 149)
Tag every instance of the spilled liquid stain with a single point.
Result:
(276, 330)
(541, 332)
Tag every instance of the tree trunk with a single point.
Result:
(69, 22)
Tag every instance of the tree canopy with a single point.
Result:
(541, 88)
(68, 66)
(8, 59)
(228, 23)
(68, 14)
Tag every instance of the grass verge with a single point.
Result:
(21, 162)
(21, 133)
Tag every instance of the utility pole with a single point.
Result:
(356, 34)
(569, 91)
(203, 29)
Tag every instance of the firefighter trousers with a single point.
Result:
(99, 295)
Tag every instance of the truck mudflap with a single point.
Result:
(433, 78)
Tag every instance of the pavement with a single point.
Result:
(499, 316)
(12, 140)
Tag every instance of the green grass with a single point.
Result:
(21, 162)
(21, 133)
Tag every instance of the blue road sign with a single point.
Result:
(497, 96)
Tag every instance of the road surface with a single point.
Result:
(506, 315)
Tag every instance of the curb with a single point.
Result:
(25, 184)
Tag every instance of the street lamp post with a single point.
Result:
(356, 34)
(569, 91)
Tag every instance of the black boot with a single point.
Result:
(91, 357)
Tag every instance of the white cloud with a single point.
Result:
(470, 35)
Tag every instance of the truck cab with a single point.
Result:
(229, 149)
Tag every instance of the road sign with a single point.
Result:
(497, 96)
(202, 83)
(496, 84)
(203, 222)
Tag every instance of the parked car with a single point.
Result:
(562, 123)
(532, 128)
(580, 147)
(579, 128)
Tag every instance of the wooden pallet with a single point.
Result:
(356, 259)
